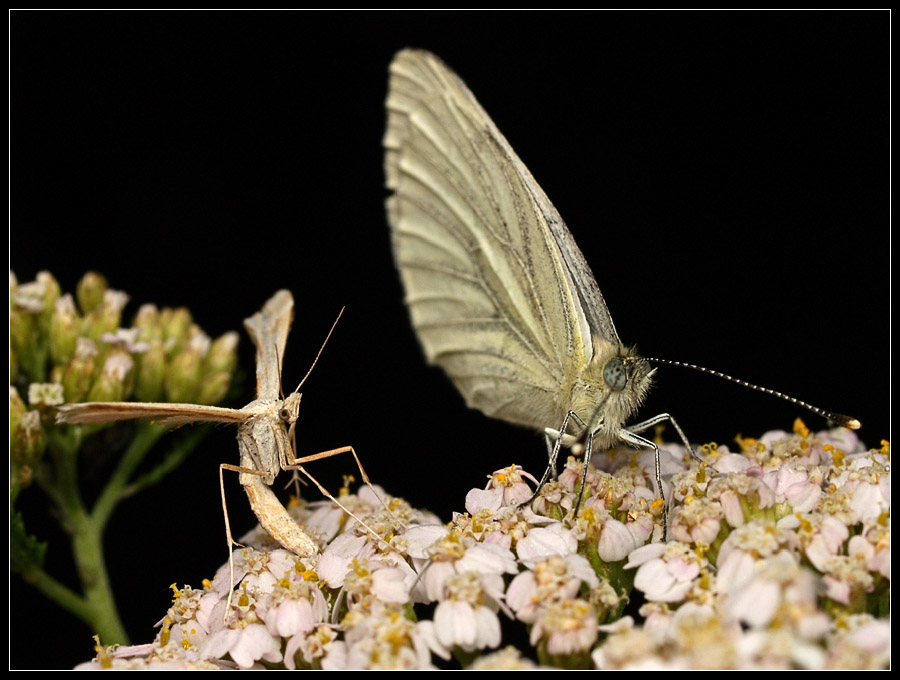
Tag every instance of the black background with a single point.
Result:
(725, 174)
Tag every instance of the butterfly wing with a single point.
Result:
(500, 296)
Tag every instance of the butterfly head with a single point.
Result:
(611, 389)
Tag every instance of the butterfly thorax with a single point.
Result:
(608, 391)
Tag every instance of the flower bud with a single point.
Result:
(16, 411)
(175, 324)
(22, 335)
(148, 323)
(65, 328)
(213, 388)
(107, 316)
(79, 373)
(90, 291)
(30, 440)
(151, 373)
(184, 375)
(50, 292)
(222, 356)
(110, 385)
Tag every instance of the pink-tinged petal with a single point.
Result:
(868, 503)
(291, 617)
(731, 506)
(434, 577)
(834, 532)
(422, 537)
(644, 554)
(756, 603)
(541, 543)
(454, 624)
(641, 529)
(390, 585)
(818, 552)
(372, 497)
(500, 538)
(682, 570)
(426, 631)
(616, 542)
(579, 567)
(881, 562)
(732, 462)
(873, 637)
(488, 628)
(280, 562)
(517, 494)
(522, 593)
(484, 499)
(336, 659)
(837, 590)
(255, 643)
(735, 570)
(291, 649)
(680, 532)
(658, 584)
(487, 558)
(334, 563)
(706, 531)
(803, 497)
(208, 602)
(860, 548)
(219, 643)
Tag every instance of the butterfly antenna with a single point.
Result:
(327, 337)
(846, 421)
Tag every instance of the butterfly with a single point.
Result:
(499, 294)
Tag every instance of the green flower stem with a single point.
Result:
(87, 549)
(176, 455)
(96, 605)
(145, 436)
(54, 590)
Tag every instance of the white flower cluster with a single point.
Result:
(778, 557)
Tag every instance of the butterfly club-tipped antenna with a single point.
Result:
(849, 422)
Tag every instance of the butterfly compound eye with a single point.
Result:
(614, 374)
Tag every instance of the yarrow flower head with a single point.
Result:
(777, 556)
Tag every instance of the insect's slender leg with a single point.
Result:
(335, 452)
(650, 422)
(587, 461)
(296, 480)
(549, 442)
(553, 456)
(229, 537)
(296, 465)
(629, 437)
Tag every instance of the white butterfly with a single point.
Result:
(499, 293)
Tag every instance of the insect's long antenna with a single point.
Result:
(320, 349)
(280, 386)
(846, 421)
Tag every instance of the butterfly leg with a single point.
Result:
(655, 420)
(630, 437)
(553, 454)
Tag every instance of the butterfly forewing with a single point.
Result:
(490, 291)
